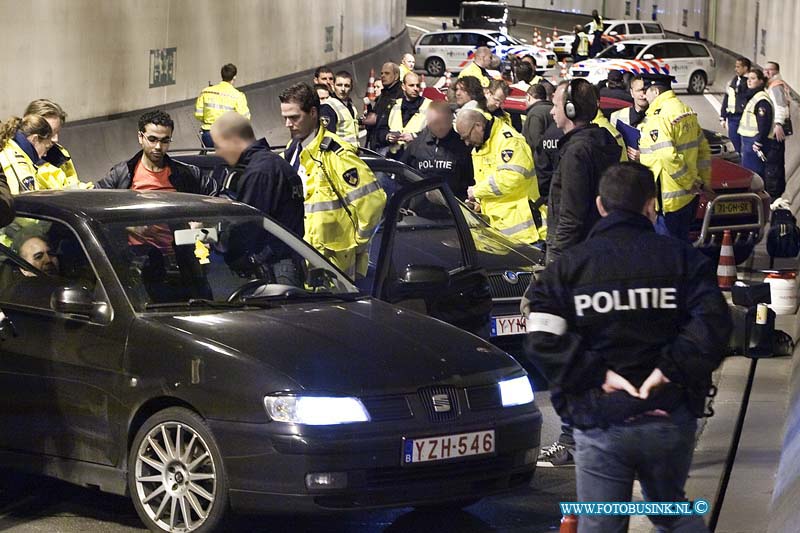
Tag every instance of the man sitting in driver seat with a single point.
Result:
(34, 248)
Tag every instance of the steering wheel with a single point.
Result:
(277, 289)
(250, 285)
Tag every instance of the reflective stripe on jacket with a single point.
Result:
(216, 100)
(675, 148)
(343, 201)
(505, 183)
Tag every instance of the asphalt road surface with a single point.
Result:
(36, 504)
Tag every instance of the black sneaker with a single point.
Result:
(555, 455)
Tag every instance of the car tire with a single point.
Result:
(175, 469)
(435, 66)
(697, 82)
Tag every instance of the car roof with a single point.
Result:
(640, 21)
(656, 41)
(110, 205)
(485, 32)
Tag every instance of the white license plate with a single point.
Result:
(508, 325)
(448, 447)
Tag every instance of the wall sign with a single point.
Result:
(162, 66)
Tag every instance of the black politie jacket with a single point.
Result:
(264, 180)
(631, 301)
(448, 158)
(584, 154)
(545, 158)
(185, 178)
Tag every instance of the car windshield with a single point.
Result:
(484, 12)
(506, 40)
(209, 261)
(622, 51)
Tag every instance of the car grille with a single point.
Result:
(440, 403)
(502, 289)
(580, 73)
(385, 408)
(486, 397)
(716, 149)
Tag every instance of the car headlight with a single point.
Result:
(516, 391)
(315, 410)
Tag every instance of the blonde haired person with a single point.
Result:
(57, 171)
(24, 142)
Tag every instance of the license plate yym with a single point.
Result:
(508, 325)
(446, 447)
(733, 208)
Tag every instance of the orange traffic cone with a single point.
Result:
(371, 85)
(422, 84)
(447, 80)
(555, 33)
(726, 271)
(569, 524)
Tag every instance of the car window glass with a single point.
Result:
(652, 28)
(452, 39)
(427, 234)
(472, 39)
(658, 50)
(697, 50)
(54, 249)
(175, 260)
(634, 28)
(621, 51)
(619, 28)
(677, 50)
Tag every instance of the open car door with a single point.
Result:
(425, 261)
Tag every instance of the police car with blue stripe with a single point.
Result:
(690, 62)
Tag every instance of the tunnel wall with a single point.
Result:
(94, 56)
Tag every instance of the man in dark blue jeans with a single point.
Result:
(628, 326)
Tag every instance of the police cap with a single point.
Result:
(660, 80)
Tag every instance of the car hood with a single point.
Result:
(496, 252)
(360, 347)
(729, 176)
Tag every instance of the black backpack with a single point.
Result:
(783, 239)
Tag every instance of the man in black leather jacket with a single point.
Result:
(628, 327)
(151, 168)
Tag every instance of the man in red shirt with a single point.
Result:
(151, 169)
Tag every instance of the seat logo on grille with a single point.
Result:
(441, 403)
(510, 277)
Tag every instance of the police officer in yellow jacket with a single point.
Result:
(338, 114)
(580, 46)
(673, 146)
(407, 117)
(481, 60)
(24, 142)
(343, 201)
(505, 185)
(56, 170)
(216, 100)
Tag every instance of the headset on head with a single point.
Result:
(570, 109)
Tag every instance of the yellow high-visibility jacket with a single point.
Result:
(343, 201)
(415, 124)
(19, 169)
(59, 172)
(505, 182)
(748, 126)
(674, 147)
(216, 100)
(474, 70)
(601, 120)
(346, 121)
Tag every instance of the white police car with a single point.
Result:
(451, 50)
(690, 62)
(613, 31)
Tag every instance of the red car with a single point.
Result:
(741, 203)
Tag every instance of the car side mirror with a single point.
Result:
(648, 56)
(78, 301)
(416, 278)
(7, 329)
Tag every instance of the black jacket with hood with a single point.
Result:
(584, 154)
(185, 178)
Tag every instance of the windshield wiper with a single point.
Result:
(297, 295)
(196, 302)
